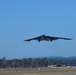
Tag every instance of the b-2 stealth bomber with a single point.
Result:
(47, 38)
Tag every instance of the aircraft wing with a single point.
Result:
(56, 38)
(66, 38)
(36, 38)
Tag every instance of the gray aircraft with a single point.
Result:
(47, 38)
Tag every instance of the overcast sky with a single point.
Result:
(24, 19)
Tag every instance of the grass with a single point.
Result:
(47, 71)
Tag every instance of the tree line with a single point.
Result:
(36, 62)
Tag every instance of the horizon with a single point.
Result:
(39, 57)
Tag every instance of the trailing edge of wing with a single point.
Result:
(55, 38)
(28, 40)
(67, 38)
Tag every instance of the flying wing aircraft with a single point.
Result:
(47, 38)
